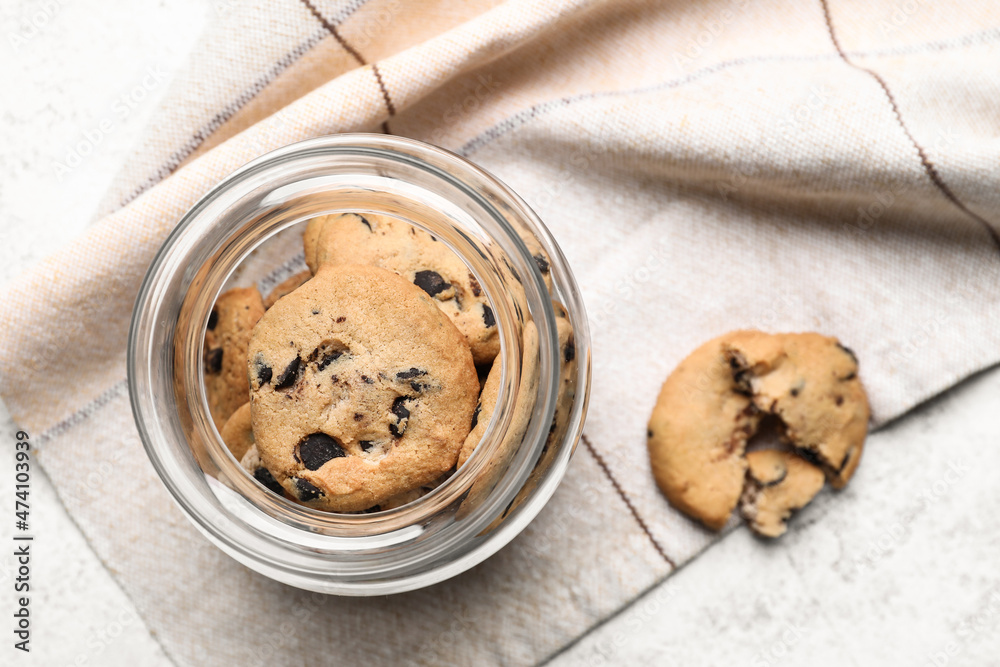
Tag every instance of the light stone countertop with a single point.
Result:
(903, 567)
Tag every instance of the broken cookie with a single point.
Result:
(715, 399)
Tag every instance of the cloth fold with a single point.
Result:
(706, 166)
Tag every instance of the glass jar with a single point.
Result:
(237, 233)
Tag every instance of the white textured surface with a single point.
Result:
(879, 574)
(72, 80)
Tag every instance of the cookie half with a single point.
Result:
(697, 435)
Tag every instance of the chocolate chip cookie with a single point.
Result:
(361, 388)
(713, 402)
(491, 389)
(697, 434)
(417, 256)
(225, 359)
(511, 438)
(560, 420)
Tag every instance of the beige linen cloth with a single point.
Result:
(829, 165)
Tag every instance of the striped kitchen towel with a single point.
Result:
(826, 165)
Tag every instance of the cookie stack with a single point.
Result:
(355, 386)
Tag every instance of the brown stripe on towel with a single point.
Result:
(332, 29)
(929, 167)
(628, 502)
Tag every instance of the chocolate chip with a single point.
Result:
(741, 374)
(649, 433)
(329, 358)
(315, 311)
(307, 490)
(262, 370)
(488, 318)
(327, 353)
(364, 221)
(341, 319)
(776, 481)
(402, 414)
(840, 400)
(410, 374)
(264, 476)
(317, 449)
(418, 386)
(399, 407)
(213, 360)
(366, 445)
(475, 416)
(477, 289)
(543, 264)
(810, 456)
(288, 376)
(570, 352)
(848, 351)
(358, 416)
(510, 505)
(794, 392)
(430, 282)
(843, 463)
(367, 380)
(213, 319)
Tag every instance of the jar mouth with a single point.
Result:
(356, 554)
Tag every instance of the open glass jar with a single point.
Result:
(239, 233)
